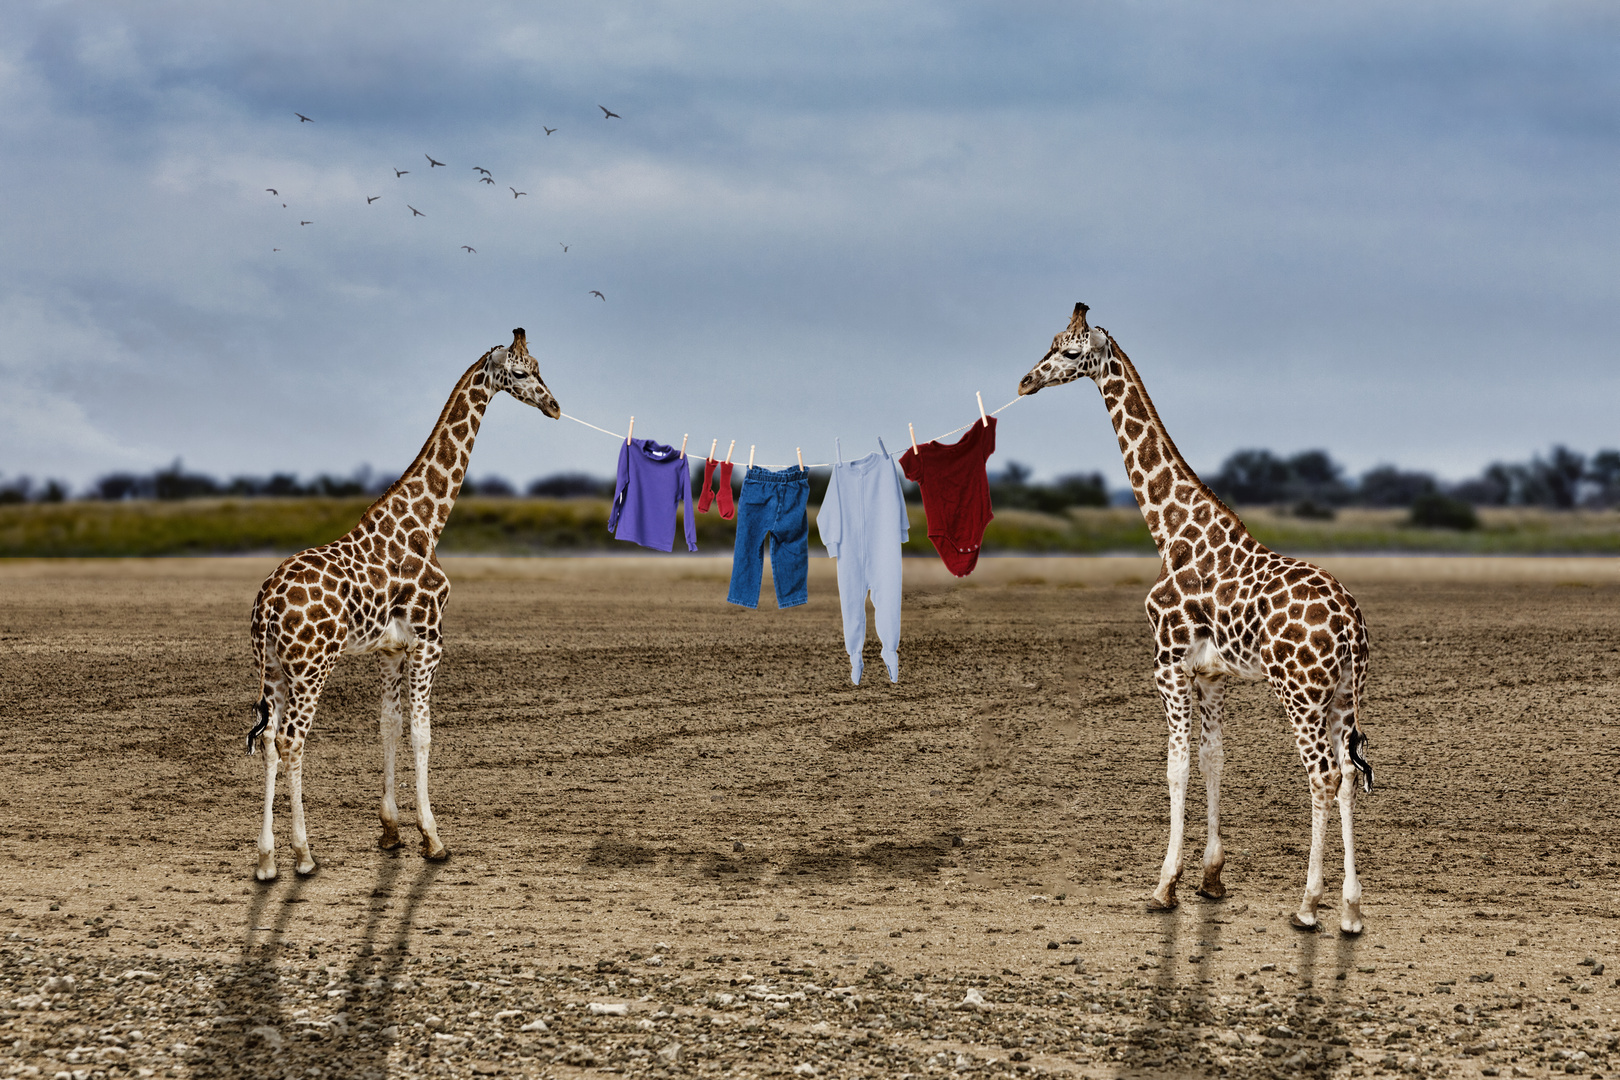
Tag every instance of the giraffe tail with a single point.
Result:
(262, 710)
(1355, 743)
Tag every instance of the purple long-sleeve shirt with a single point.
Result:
(652, 479)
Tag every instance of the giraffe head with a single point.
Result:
(512, 369)
(1081, 350)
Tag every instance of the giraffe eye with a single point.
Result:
(1072, 352)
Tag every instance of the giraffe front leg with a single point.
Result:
(266, 870)
(295, 793)
(1211, 759)
(393, 719)
(426, 659)
(1175, 687)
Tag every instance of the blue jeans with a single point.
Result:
(772, 507)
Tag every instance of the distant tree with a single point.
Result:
(115, 487)
(490, 486)
(1436, 511)
(336, 487)
(1011, 489)
(54, 492)
(1261, 478)
(1388, 486)
(1558, 478)
(1603, 477)
(1499, 484)
(571, 485)
(175, 483)
(1074, 489)
(16, 490)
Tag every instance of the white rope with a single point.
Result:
(820, 465)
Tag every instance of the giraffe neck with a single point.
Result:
(1172, 498)
(420, 501)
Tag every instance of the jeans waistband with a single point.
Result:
(758, 474)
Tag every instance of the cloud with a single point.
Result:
(818, 221)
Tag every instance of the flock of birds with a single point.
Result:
(486, 177)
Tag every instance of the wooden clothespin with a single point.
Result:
(711, 448)
(911, 428)
(631, 432)
(800, 452)
(750, 455)
(683, 443)
(985, 419)
(729, 449)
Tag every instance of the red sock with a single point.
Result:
(708, 494)
(728, 508)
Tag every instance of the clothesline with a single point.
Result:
(821, 465)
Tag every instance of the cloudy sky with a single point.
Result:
(1387, 230)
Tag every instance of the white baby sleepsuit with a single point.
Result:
(863, 523)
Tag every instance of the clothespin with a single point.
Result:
(750, 455)
(982, 416)
(800, 452)
(911, 428)
(683, 444)
(711, 448)
(729, 449)
(631, 432)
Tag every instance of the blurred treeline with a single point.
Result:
(1310, 483)
(1560, 502)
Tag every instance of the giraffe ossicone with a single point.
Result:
(1227, 607)
(377, 589)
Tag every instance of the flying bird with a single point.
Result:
(275, 249)
(302, 119)
(414, 211)
(596, 294)
(272, 191)
(548, 131)
(480, 168)
(515, 192)
(563, 246)
(401, 172)
(306, 223)
(485, 180)
(431, 162)
(371, 199)
(606, 113)
(470, 250)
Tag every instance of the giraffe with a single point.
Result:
(1226, 607)
(377, 589)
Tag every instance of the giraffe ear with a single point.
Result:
(498, 356)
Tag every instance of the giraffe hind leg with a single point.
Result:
(1211, 759)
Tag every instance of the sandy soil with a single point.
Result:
(664, 806)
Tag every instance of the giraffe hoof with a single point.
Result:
(431, 855)
(389, 840)
(304, 869)
(1212, 890)
(266, 870)
(1155, 904)
(1300, 924)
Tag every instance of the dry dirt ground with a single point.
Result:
(683, 845)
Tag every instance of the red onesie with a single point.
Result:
(955, 493)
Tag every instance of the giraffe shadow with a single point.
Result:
(286, 1014)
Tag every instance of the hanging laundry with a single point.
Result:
(652, 479)
(728, 509)
(955, 493)
(771, 509)
(863, 523)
